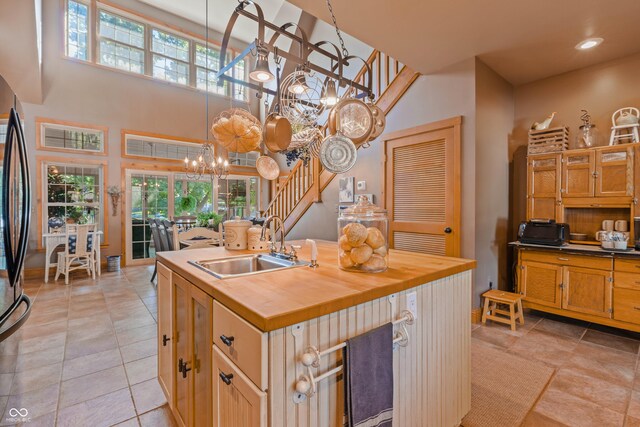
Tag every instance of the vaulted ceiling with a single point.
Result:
(522, 40)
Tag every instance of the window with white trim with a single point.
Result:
(170, 57)
(159, 148)
(76, 30)
(73, 193)
(4, 126)
(140, 46)
(121, 42)
(207, 62)
(240, 92)
(71, 138)
(244, 159)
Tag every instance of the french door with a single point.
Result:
(147, 196)
(162, 195)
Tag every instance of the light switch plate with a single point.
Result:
(361, 186)
(412, 303)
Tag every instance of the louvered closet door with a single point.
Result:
(422, 187)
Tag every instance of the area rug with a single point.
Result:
(504, 387)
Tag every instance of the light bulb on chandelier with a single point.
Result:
(299, 84)
(330, 97)
(261, 71)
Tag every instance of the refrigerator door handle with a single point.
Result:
(15, 256)
(23, 318)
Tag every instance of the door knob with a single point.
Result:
(448, 230)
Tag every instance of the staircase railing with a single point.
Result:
(305, 182)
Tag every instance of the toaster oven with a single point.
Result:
(543, 232)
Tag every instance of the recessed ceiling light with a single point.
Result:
(589, 43)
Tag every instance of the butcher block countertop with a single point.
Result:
(276, 299)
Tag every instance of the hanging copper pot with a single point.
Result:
(277, 132)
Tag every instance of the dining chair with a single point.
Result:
(162, 234)
(157, 243)
(172, 232)
(78, 251)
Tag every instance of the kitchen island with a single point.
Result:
(230, 351)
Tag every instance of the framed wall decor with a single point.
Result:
(346, 194)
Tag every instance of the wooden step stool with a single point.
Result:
(491, 311)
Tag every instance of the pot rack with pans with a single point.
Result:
(260, 45)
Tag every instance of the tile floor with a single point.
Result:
(87, 354)
(596, 380)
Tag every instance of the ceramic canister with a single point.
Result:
(254, 242)
(235, 233)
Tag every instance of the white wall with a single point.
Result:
(601, 89)
(494, 123)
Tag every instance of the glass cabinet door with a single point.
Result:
(579, 174)
(614, 172)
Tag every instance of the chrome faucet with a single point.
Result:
(283, 248)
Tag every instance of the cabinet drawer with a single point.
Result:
(626, 280)
(573, 260)
(242, 343)
(626, 305)
(628, 265)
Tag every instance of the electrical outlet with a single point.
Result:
(361, 186)
(412, 303)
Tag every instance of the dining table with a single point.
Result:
(52, 240)
(199, 243)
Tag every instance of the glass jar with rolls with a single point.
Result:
(363, 238)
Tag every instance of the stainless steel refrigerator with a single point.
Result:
(15, 218)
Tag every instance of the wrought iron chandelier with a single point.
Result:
(205, 162)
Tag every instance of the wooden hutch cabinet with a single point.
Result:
(583, 188)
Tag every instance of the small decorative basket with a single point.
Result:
(548, 140)
(237, 130)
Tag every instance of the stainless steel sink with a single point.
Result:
(244, 265)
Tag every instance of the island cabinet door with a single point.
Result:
(180, 288)
(614, 172)
(237, 402)
(587, 290)
(540, 283)
(201, 314)
(578, 174)
(165, 335)
(543, 186)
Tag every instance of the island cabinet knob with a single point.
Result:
(228, 341)
(448, 230)
(226, 378)
(165, 339)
